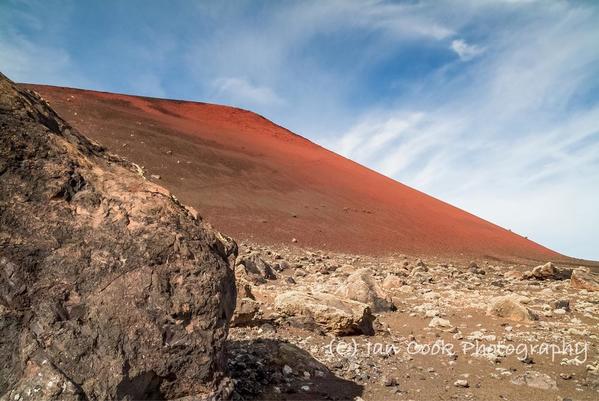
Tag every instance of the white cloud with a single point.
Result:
(241, 92)
(511, 137)
(465, 51)
(510, 143)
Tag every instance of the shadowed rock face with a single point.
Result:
(109, 288)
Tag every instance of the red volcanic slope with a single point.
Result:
(256, 180)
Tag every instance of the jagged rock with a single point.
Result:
(510, 307)
(244, 289)
(584, 279)
(548, 271)
(110, 289)
(336, 315)
(247, 311)
(362, 287)
(254, 268)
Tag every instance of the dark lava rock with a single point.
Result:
(109, 288)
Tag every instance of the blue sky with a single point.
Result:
(492, 106)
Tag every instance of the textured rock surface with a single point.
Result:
(109, 288)
(336, 315)
(254, 269)
(548, 271)
(584, 280)
(362, 287)
(509, 307)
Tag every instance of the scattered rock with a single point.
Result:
(509, 307)
(254, 268)
(562, 304)
(475, 269)
(582, 279)
(388, 381)
(536, 380)
(247, 311)
(548, 271)
(514, 275)
(438, 322)
(392, 282)
(336, 315)
(362, 287)
(461, 383)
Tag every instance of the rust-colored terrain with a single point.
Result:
(256, 180)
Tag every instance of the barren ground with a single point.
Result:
(389, 365)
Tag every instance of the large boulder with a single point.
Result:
(362, 287)
(109, 288)
(548, 271)
(510, 307)
(333, 314)
(583, 279)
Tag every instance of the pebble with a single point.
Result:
(461, 383)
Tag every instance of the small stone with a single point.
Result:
(562, 304)
(388, 381)
(565, 376)
(461, 383)
(527, 360)
(287, 370)
(440, 323)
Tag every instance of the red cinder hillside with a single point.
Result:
(256, 180)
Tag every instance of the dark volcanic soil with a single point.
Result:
(255, 180)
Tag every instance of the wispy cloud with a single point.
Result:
(240, 91)
(465, 51)
(516, 143)
(490, 105)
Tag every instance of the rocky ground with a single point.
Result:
(112, 289)
(313, 325)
